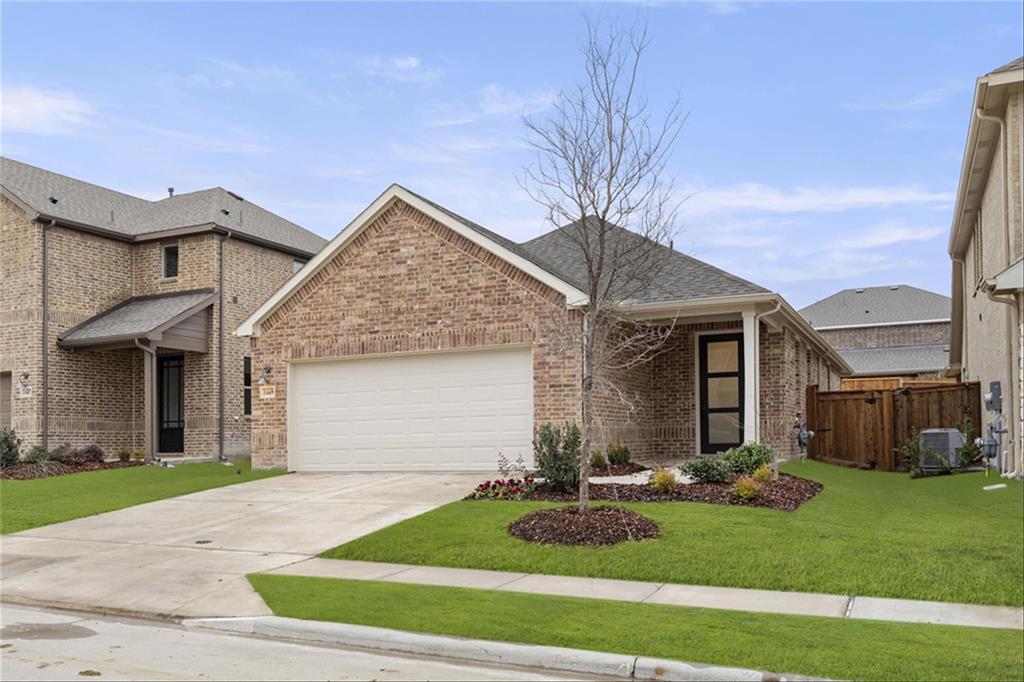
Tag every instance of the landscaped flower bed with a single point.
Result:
(785, 494)
(597, 526)
(25, 471)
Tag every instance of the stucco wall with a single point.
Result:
(407, 283)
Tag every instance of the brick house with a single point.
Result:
(890, 333)
(986, 247)
(419, 340)
(111, 326)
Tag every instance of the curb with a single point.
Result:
(155, 616)
(481, 651)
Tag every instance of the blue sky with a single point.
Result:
(822, 148)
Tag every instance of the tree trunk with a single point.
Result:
(585, 440)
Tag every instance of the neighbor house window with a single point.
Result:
(170, 260)
(297, 265)
(247, 386)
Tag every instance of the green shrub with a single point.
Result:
(37, 454)
(663, 480)
(597, 461)
(124, 454)
(138, 455)
(10, 448)
(765, 473)
(746, 458)
(556, 452)
(706, 470)
(970, 452)
(746, 487)
(618, 454)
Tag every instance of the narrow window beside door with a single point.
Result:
(170, 260)
(721, 392)
(247, 386)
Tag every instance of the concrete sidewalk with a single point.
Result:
(730, 598)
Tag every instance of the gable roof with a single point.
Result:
(85, 205)
(137, 317)
(897, 359)
(871, 306)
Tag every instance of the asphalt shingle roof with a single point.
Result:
(1017, 63)
(896, 359)
(135, 317)
(877, 305)
(106, 209)
(681, 277)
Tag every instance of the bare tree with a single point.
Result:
(600, 174)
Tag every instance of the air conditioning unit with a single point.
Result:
(939, 443)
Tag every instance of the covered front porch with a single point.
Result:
(731, 372)
(165, 329)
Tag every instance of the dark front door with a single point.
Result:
(721, 391)
(170, 372)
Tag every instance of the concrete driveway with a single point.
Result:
(188, 555)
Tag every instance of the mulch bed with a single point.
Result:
(26, 471)
(597, 526)
(785, 494)
(618, 469)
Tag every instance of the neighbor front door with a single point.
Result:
(170, 372)
(720, 366)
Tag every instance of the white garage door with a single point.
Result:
(439, 411)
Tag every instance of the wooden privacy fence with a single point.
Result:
(864, 428)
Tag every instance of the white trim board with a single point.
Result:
(251, 326)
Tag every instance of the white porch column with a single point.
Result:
(149, 401)
(751, 416)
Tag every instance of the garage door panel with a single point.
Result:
(443, 411)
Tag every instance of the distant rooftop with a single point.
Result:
(897, 359)
(877, 305)
(84, 204)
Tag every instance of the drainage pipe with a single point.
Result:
(46, 333)
(220, 347)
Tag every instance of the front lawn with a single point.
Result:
(866, 533)
(828, 647)
(42, 501)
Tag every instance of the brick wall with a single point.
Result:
(97, 396)
(407, 283)
(891, 335)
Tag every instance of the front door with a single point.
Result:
(170, 372)
(721, 391)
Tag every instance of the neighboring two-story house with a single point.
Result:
(116, 313)
(891, 335)
(986, 242)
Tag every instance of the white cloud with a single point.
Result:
(226, 74)
(723, 7)
(891, 232)
(497, 100)
(765, 198)
(924, 99)
(43, 112)
(400, 69)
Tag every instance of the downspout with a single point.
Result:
(46, 333)
(1015, 471)
(757, 356)
(220, 348)
(963, 319)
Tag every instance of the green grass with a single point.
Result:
(829, 647)
(866, 533)
(42, 501)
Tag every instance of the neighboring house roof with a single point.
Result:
(870, 306)
(136, 318)
(897, 359)
(82, 204)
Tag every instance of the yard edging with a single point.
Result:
(481, 651)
